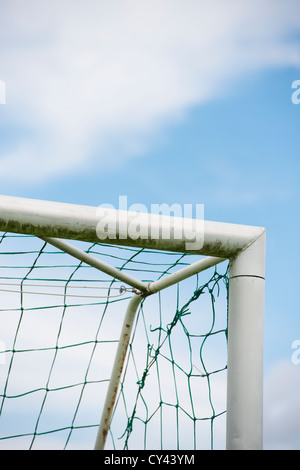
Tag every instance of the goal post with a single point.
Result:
(245, 347)
(244, 247)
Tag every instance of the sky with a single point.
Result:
(169, 101)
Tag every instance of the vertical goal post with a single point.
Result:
(243, 246)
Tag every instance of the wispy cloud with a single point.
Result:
(282, 410)
(85, 79)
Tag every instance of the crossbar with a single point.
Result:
(77, 222)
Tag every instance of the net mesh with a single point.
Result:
(60, 321)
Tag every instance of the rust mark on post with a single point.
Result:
(117, 371)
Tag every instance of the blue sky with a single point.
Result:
(167, 102)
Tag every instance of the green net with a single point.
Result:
(60, 321)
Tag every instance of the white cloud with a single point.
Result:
(90, 79)
(282, 408)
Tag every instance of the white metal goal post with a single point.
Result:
(243, 246)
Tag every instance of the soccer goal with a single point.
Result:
(120, 339)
